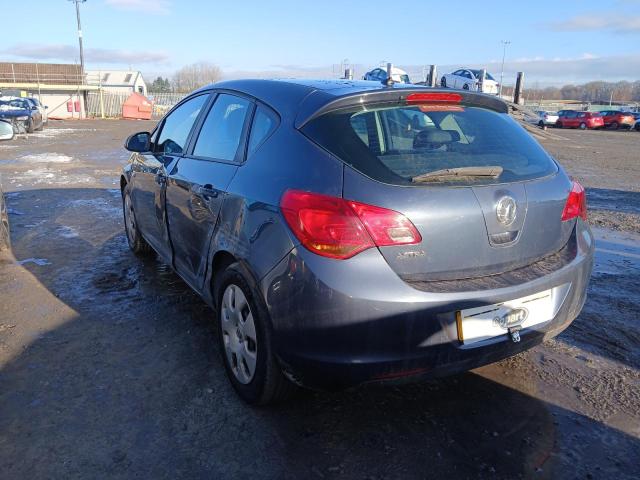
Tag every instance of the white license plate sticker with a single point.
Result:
(489, 321)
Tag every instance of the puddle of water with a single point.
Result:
(616, 252)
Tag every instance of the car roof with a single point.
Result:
(303, 97)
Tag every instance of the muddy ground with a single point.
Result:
(108, 367)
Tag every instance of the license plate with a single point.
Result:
(489, 321)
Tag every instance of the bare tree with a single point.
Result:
(196, 75)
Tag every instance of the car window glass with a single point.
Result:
(396, 144)
(221, 132)
(264, 122)
(178, 124)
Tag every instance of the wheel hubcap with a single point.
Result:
(239, 334)
(129, 219)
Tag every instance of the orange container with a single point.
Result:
(137, 107)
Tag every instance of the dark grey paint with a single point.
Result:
(345, 322)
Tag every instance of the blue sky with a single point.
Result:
(552, 41)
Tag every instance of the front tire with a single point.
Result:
(583, 126)
(30, 126)
(443, 82)
(137, 243)
(245, 340)
(465, 86)
(614, 125)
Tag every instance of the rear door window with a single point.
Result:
(221, 133)
(396, 144)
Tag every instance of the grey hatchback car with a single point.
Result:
(349, 232)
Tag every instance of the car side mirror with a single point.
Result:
(34, 107)
(138, 142)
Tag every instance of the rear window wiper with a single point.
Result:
(459, 173)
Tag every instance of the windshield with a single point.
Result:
(477, 75)
(396, 144)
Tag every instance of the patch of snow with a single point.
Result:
(98, 205)
(56, 132)
(67, 232)
(38, 261)
(46, 158)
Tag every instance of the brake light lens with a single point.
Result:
(435, 97)
(337, 228)
(576, 205)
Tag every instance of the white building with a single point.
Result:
(118, 81)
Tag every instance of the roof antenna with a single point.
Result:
(389, 81)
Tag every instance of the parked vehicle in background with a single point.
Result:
(398, 246)
(581, 120)
(617, 119)
(380, 75)
(547, 118)
(22, 112)
(469, 79)
(7, 132)
(5, 239)
(636, 125)
(41, 108)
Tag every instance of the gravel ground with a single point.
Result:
(108, 366)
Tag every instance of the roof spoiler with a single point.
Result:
(316, 105)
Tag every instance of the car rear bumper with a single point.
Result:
(342, 323)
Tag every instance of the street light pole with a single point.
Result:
(78, 2)
(82, 75)
(504, 54)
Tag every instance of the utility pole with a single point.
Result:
(504, 54)
(82, 75)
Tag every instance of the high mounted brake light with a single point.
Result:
(338, 228)
(434, 97)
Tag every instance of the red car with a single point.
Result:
(617, 119)
(581, 120)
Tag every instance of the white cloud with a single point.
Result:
(160, 7)
(621, 24)
(97, 55)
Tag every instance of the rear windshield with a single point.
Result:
(395, 144)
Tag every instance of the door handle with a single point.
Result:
(205, 191)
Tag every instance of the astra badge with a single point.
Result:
(506, 211)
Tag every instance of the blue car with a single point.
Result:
(22, 113)
(347, 232)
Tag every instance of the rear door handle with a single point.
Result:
(205, 191)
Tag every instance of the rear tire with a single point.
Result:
(465, 86)
(137, 243)
(614, 125)
(558, 124)
(30, 126)
(443, 82)
(541, 124)
(250, 363)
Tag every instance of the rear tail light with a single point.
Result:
(338, 228)
(576, 205)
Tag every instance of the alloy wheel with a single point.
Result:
(239, 334)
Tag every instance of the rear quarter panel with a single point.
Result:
(250, 224)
